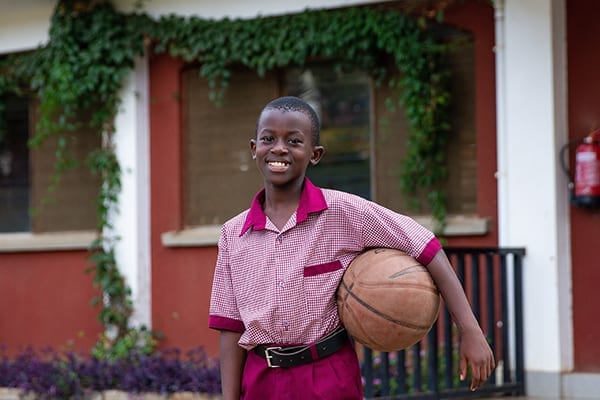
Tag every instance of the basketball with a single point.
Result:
(387, 300)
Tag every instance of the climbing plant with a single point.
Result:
(92, 48)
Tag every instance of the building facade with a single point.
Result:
(527, 78)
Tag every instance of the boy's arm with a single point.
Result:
(232, 358)
(474, 349)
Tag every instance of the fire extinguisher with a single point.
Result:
(585, 187)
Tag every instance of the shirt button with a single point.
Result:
(286, 325)
(280, 238)
(281, 284)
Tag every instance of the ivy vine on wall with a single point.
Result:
(92, 48)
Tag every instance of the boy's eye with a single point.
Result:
(295, 141)
(266, 139)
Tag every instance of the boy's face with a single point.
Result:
(283, 147)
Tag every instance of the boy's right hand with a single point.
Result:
(476, 353)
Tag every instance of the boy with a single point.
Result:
(280, 263)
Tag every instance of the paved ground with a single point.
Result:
(525, 398)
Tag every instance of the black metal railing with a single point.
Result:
(492, 279)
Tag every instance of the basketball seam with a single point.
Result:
(409, 270)
(398, 285)
(372, 309)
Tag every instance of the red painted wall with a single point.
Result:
(45, 301)
(181, 277)
(583, 58)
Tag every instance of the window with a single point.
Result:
(26, 176)
(14, 166)
(364, 141)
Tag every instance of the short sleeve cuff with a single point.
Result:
(429, 251)
(224, 323)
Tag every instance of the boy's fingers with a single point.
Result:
(475, 377)
(463, 369)
(480, 374)
(490, 369)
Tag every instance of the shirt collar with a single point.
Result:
(311, 200)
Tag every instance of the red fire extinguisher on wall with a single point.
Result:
(585, 187)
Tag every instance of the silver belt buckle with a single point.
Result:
(269, 357)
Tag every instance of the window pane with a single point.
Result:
(461, 185)
(69, 205)
(26, 176)
(14, 166)
(220, 176)
(342, 101)
(391, 133)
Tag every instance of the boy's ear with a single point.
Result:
(318, 152)
(253, 148)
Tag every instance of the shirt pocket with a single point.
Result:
(320, 284)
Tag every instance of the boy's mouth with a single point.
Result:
(278, 166)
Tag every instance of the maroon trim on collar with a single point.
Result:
(256, 218)
(311, 200)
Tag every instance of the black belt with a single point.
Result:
(297, 355)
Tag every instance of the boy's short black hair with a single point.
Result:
(292, 103)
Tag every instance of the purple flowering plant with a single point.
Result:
(50, 374)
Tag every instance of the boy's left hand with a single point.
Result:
(475, 351)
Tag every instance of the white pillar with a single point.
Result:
(132, 222)
(532, 190)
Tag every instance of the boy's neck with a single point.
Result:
(280, 205)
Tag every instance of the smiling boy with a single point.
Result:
(280, 263)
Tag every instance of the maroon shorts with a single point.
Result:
(334, 377)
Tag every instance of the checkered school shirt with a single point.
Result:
(278, 287)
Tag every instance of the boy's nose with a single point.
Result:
(279, 147)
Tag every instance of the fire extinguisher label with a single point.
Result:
(586, 157)
(587, 173)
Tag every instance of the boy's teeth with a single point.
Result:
(277, 163)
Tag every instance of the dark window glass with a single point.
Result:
(343, 103)
(14, 165)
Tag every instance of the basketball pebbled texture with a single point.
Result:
(387, 300)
